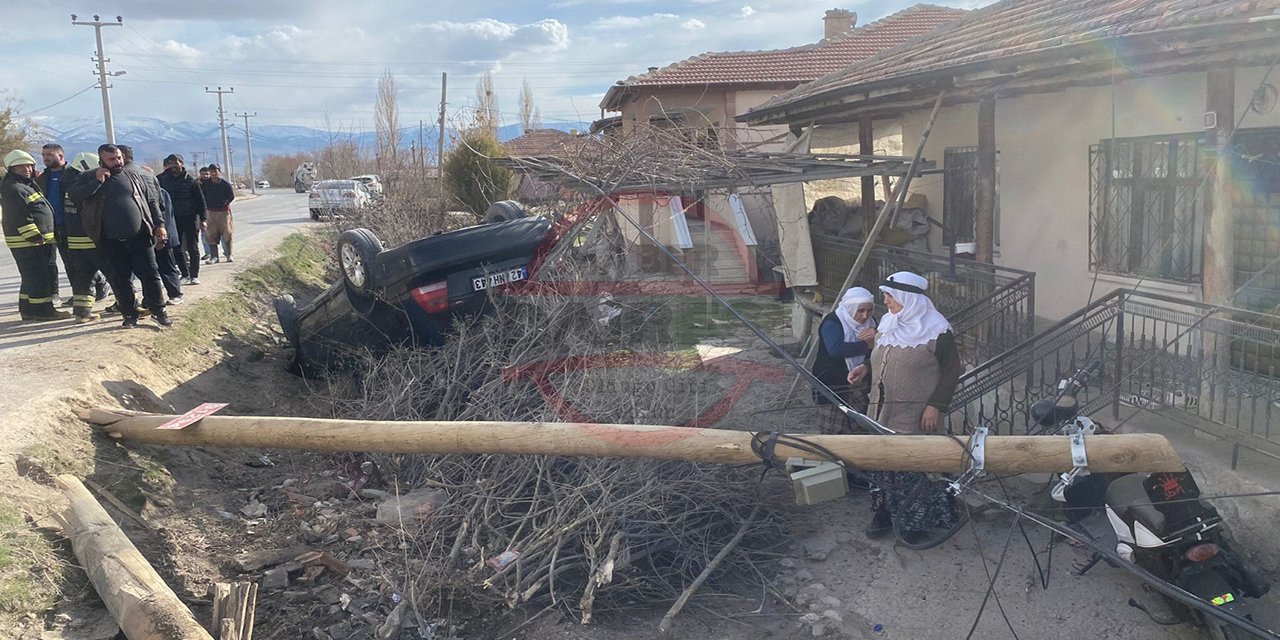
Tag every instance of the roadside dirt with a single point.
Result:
(205, 514)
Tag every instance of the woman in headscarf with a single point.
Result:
(845, 342)
(917, 367)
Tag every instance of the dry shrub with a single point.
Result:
(591, 534)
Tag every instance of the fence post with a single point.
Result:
(1115, 402)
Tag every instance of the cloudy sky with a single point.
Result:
(301, 61)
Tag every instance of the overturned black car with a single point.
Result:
(409, 294)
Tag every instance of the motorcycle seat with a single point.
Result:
(1127, 496)
(1048, 413)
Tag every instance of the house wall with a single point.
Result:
(1043, 144)
(886, 138)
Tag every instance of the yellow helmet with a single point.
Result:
(18, 157)
(86, 161)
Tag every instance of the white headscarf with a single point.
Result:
(918, 322)
(844, 311)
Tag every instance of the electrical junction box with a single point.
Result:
(815, 482)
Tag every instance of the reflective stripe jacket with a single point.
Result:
(73, 227)
(27, 214)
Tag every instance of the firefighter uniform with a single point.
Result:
(28, 232)
(79, 253)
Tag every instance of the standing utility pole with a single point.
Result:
(222, 122)
(248, 142)
(444, 91)
(102, 61)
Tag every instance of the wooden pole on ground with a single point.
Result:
(1004, 454)
(137, 597)
(234, 606)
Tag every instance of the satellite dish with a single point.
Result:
(1264, 99)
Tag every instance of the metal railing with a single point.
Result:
(1210, 368)
(991, 308)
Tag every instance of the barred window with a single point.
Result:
(1146, 207)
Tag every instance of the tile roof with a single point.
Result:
(1015, 27)
(540, 142)
(798, 64)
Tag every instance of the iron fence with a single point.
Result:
(991, 308)
(1213, 369)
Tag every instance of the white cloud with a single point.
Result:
(693, 24)
(632, 22)
(746, 11)
(539, 37)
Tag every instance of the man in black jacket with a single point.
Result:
(28, 231)
(120, 208)
(188, 212)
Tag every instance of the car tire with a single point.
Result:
(504, 210)
(358, 250)
(315, 214)
(287, 314)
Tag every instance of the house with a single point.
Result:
(706, 92)
(698, 98)
(545, 143)
(1081, 140)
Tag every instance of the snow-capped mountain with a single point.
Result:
(152, 138)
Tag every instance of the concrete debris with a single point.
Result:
(394, 622)
(254, 509)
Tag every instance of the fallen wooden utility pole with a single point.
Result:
(139, 601)
(1004, 454)
(234, 606)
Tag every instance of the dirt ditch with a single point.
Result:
(351, 546)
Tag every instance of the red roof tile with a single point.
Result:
(797, 64)
(1014, 27)
(540, 143)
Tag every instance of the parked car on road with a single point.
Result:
(409, 294)
(371, 182)
(332, 197)
(264, 184)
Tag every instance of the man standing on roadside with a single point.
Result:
(189, 214)
(218, 195)
(77, 251)
(28, 231)
(120, 209)
(166, 261)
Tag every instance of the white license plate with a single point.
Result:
(491, 280)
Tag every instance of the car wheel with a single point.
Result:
(287, 314)
(504, 210)
(357, 251)
(315, 214)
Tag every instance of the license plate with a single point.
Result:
(491, 280)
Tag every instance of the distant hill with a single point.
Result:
(152, 138)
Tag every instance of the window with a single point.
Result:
(960, 193)
(1146, 207)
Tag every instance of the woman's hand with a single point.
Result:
(857, 374)
(929, 421)
(868, 335)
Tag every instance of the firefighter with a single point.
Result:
(28, 231)
(80, 254)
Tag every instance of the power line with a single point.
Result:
(50, 106)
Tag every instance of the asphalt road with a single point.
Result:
(255, 219)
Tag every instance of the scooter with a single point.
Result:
(1160, 522)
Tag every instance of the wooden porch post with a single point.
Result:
(866, 146)
(1219, 220)
(985, 198)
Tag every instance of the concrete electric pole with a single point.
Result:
(222, 123)
(102, 61)
(248, 142)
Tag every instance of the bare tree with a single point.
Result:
(386, 114)
(486, 104)
(16, 132)
(530, 115)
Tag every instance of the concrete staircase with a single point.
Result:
(714, 258)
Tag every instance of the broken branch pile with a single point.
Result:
(581, 534)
